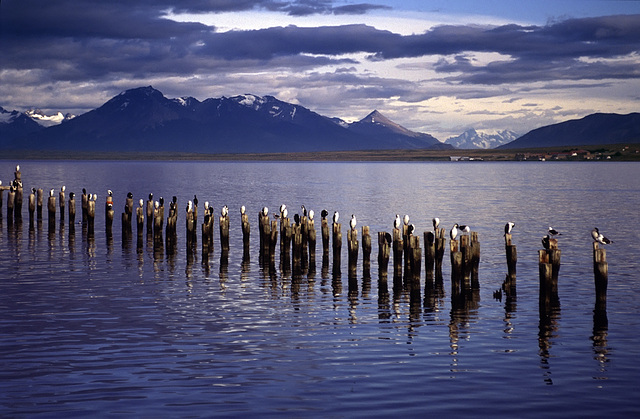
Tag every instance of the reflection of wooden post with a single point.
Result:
(601, 275)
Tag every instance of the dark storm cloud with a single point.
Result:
(91, 39)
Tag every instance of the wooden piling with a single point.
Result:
(429, 256)
(84, 204)
(224, 232)
(384, 251)
(61, 202)
(246, 230)
(51, 208)
(32, 207)
(512, 257)
(398, 250)
(150, 214)
(415, 261)
(72, 208)
(1, 198)
(456, 258)
(439, 246)
(296, 232)
(311, 237)
(324, 230)
(11, 201)
(337, 247)
(366, 252)
(140, 221)
(601, 275)
(353, 248)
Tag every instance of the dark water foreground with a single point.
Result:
(100, 327)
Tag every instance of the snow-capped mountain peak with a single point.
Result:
(48, 120)
(473, 139)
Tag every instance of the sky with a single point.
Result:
(439, 67)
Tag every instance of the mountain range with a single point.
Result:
(472, 139)
(144, 120)
(594, 129)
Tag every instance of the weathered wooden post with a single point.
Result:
(158, 221)
(17, 184)
(429, 257)
(337, 248)
(456, 266)
(272, 240)
(439, 246)
(366, 252)
(190, 222)
(324, 230)
(415, 261)
(39, 203)
(128, 211)
(353, 248)
(384, 250)
(11, 201)
(512, 260)
(475, 259)
(545, 273)
(51, 207)
(398, 249)
(150, 211)
(140, 223)
(224, 230)
(61, 202)
(465, 249)
(72, 208)
(109, 213)
(311, 233)
(1, 198)
(297, 250)
(84, 204)
(601, 275)
(91, 215)
(32, 206)
(171, 229)
(265, 234)
(246, 230)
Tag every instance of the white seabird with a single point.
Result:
(508, 227)
(397, 223)
(353, 222)
(336, 216)
(554, 232)
(454, 232)
(436, 223)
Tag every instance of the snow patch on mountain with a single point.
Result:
(472, 139)
(48, 120)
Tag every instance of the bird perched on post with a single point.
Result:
(224, 211)
(405, 220)
(599, 237)
(545, 242)
(265, 211)
(397, 223)
(554, 232)
(352, 222)
(311, 214)
(454, 232)
(410, 229)
(242, 210)
(508, 227)
(464, 229)
(436, 223)
(336, 217)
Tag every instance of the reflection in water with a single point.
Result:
(599, 339)
(548, 328)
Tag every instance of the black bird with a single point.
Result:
(599, 237)
(324, 214)
(387, 238)
(545, 242)
(554, 232)
(195, 200)
(71, 195)
(150, 196)
(296, 218)
(161, 201)
(464, 229)
(130, 195)
(508, 227)
(411, 228)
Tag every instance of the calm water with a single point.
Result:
(96, 327)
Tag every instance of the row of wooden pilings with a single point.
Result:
(301, 239)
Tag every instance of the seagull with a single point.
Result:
(352, 222)
(397, 223)
(436, 223)
(189, 206)
(265, 211)
(454, 232)
(336, 216)
(554, 232)
(17, 168)
(410, 229)
(405, 220)
(224, 211)
(62, 189)
(285, 212)
(508, 227)
(323, 214)
(109, 192)
(206, 205)
(545, 242)
(304, 211)
(282, 208)
(311, 213)
(141, 202)
(33, 190)
(599, 237)
(51, 192)
(465, 229)
(242, 210)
